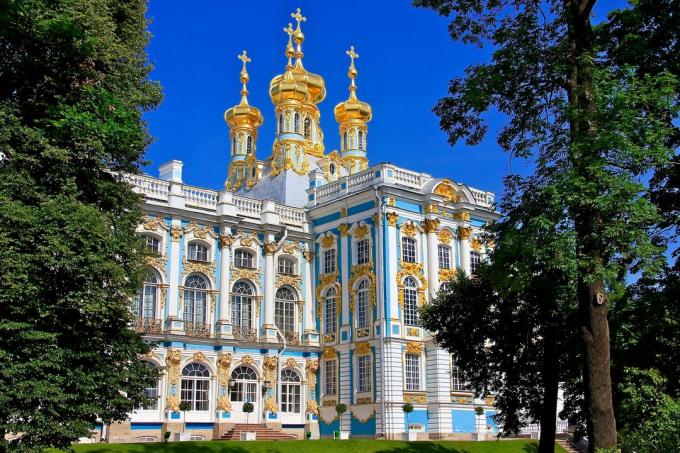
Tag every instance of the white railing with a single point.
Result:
(290, 216)
(151, 187)
(359, 180)
(248, 207)
(407, 178)
(328, 190)
(200, 197)
(562, 426)
(482, 198)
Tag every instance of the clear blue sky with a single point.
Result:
(406, 60)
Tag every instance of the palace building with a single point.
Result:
(297, 287)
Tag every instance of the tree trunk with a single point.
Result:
(589, 224)
(551, 376)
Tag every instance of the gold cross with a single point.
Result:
(352, 54)
(244, 58)
(298, 17)
(289, 29)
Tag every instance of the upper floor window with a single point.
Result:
(329, 261)
(360, 136)
(249, 144)
(198, 252)
(195, 299)
(233, 144)
(457, 383)
(408, 249)
(344, 140)
(286, 266)
(363, 251)
(243, 258)
(195, 386)
(308, 128)
(410, 302)
(242, 305)
(153, 245)
(329, 324)
(444, 252)
(446, 286)
(280, 123)
(475, 261)
(412, 371)
(284, 310)
(330, 375)
(364, 373)
(363, 308)
(144, 302)
(297, 122)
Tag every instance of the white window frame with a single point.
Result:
(240, 261)
(457, 383)
(444, 256)
(287, 265)
(193, 251)
(475, 261)
(330, 377)
(412, 377)
(411, 302)
(363, 304)
(329, 263)
(408, 255)
(284, 310)
(194, 386)
(291, 391)
(330, 301)
(366, 255)
(364, 373)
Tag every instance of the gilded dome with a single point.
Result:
(352, 108)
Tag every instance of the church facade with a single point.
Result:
(297, 287)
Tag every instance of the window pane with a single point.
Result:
(444, 257)
(363, 309)
(408, 250)
(363, 252)
(475, 260)
(412, 368)
(410, 302)
(364, 372)
(329, 261)
(330, 377)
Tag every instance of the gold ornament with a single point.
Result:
(309, 256)
(269, 366)
(446, 274)
(270, 248)
(360, 232)
(445, 236)
(362, 348)
(312, 407)
(246, 241)
(153, 223)
(464, 233)
(329, 353)
(476, 245)
(344, 228)
(392, 218)
(431, 208)
(199, 357)
(328, 241)
(463, 216)
(247, 359)
(176, 233)
(291, 363)
(172, 361)
(270, 405)
(289, 280)
(415, 398)
(226, 240)
(408, 229)
(172, 403)
(414, 347)
(289, 248)
(431, 225)
(224, 403)
(446, 190)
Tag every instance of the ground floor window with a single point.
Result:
(412, 371)
(290, 392)
(330, 377)
(364, 372)
(243, 385)
(195, 386)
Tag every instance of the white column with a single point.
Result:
(344, 273)
(174, 323)
(464, 233)
(431, 226)
(309, 314)
(224, 314)
(391, 264)
(269, 250)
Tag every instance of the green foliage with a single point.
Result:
(407, 408)
(248, 408)
(479, 410)
(185, 406)
(341, 408)
(73, 88)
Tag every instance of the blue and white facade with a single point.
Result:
(297, 287)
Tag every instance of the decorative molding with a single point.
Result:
(190, 267)
(446, 274)
(226, 240)
(224, 360)
(409, 229)
(176, 233)
(269, 366)
(414, 270)
(238, 273)
(392, 218)
(291, 362)
(360, 232)
(153, 223)
(172, 361)
(476, 245)
(344, 229)
(362, 348)
(414, 347)
(290, 247)
(445, 236)
(431, 208)
(463, 216)
(200, 233)
(464, 233)
(199, 357)
(294, 281)
(329, 353)
(328, 241)
(446, 190)
(269, 248)
(309, 255)
(247, 360)
(431, 225)
(415, 398)
(156, 261)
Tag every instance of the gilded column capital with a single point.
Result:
(226, 240)
(464, 233)
(270, 248)
(176, 233)
(431, 225)
(309, 255)
(463, 216)
(431, 208)
(392, 218)
(344, 229)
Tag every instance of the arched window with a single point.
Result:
(243, 385)
(363, 307)
(280, 123)
(249, 144)
(344, 140)
(308, 128)
(286, 266)
(244, 258)
(410, 301)
(361, 139)
(195, 299)
(408, 249)
(196, 386)
(198, 252)
(284, 310)
(363, 251)
(144, 302)
(329, 324)
(290, 391)
(297, 122)
(242, 305)
(152, 244)
(151, 393)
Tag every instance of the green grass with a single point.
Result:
(320, 446)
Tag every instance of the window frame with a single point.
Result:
(412, 377)
(243, 389)
(330, 386)
(193, 252)
(444, 256)
(363, 304)
(411, 317)
(287, 259)
(365, 375)
(363, 252)
(330, 300)
(193, 387)
(239, 255)
(409, 249)
(285, 311)
(194, 295)
(475, 263)
(329, 261)
(239, 300)
(291, 392)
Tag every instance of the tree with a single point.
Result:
(600, 127)
(407, 408)
(73, 87)
(511, 327)
(184, 406)
(248, 408)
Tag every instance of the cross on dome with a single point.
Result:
(297, 15)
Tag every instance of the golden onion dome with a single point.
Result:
(297, 83)
(352, 108)
(243, 114)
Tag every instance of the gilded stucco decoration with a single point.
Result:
(176, 233)
(294, 281)
(312, 407)
(326, 280)
(290, 247)
(414, 347)
(431, 208)
(157, 262)
(328, 241)
(291, 363)
(191, 267)
(360, 232)
(311, 368)
(392, 218)
(224, 360)
(409, 229)
(199, 357)
(415, 398)
(200, 232)
(270, 405)
(172, 361)
(238, 273)
(362, 348)
(153, 223)
(269, 248)
(463, 216)
(414, 270)
(446, 274)
(269, 366)
(464, 233)
(476, 245)
(246, 241)
(344, 229)
(309, 255)
(431, 225)
(329, 353)
(445, 236)
(360, 271)
(226, 240)
(224, 403)
(446, 190)
(247, 360)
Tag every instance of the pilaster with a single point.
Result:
(175, 322)
(464, 232)
(224, 326)
(269, 332)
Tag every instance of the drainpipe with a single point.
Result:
(381, 308)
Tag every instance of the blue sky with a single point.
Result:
(406, 60)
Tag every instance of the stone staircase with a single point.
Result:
(263, 433)
(566, 444)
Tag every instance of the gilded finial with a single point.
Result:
(352, 72)
(290, 50)
(244, 75)
(298, 36)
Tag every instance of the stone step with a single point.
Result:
(564, 443)
(262, 433)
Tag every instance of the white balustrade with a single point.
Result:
(151, 187)
(248, 207)
(200, 197)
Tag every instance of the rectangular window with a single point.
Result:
(408, 250)
(363, 314)
(286, 266)
(456, 382)
(330, 377)
(475, 260)
(410, 307)
(363, 251)
(329, 261)
(290, 398)
(444, 253)
(364, 371)
(412, 368)
(152, 245)
(198, 252)
(243, 258)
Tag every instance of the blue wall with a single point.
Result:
(463, 421)
(326, 429)
(359, 428)
(417, 416)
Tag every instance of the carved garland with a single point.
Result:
(409, 229)
(414, 270)
(445, 236)
(201, 233)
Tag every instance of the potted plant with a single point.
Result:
(411, 434)
(184, 406)
(481, 426)
(341, 408)
(248, 408)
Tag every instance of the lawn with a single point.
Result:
(320, 446)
